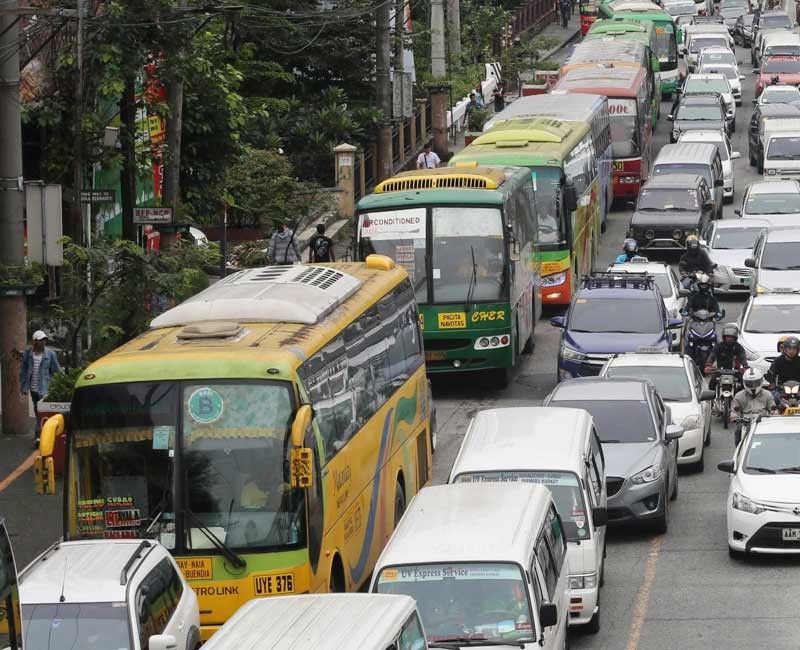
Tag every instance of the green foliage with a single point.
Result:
(477, 118)
(62, 385)
(28, 275)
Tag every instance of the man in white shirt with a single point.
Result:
(428, 159)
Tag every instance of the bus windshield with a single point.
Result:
(227, 439)
(624, 128)
(666, 47)
(547, 183)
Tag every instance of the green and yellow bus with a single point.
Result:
(561, 158)
(467, 238)
(268, 431)
(667, 37)
(10, 615)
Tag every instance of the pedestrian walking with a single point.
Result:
(320, 246)
(565, 6)
(471, 106)
(499, 97)
(479, 98)
(39, 364)
(282, 246)
(428, 158)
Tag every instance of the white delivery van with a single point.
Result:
(557, 448)
(782, 149)
(330, 621)
(483, 561)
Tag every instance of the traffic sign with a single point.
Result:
(98, 196)
(154, 216)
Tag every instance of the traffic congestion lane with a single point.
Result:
(679, 590)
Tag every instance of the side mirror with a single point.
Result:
(708, 205)
(756, 71)
(755, 101)
(300, 424)
(684, 292)
(735, 155)
(674, 323)
(558, 321)
(719, 182)
(738, 213)
(750, 263)
(513, 252)
(570, 531)
(162, 642)
(548, 615)
(725, 466)
(301, 459)
(741, 78)
(671, 117)
(570, 197)
(673, 432)
(707, 395)
(599, 516)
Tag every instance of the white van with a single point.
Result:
(558, 448)
(331, 621)
(487, 560)
(779, 43)
(782, 155)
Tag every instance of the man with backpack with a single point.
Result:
(283, 247)
(320, 247)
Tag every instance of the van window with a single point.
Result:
(548, 567)
(555, 537)
(411, 638)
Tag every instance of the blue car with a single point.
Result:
(611, 313)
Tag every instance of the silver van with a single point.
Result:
(694, 158)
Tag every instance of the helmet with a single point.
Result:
(703, 281)
(730, 330)
(791, 342)
(752, 379)
(630, 246)
(692, 243)
(781, 341)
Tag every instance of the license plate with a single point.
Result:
(277, 583)
(435, 356)
(791, 534)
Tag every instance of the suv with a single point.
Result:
(775, 260)
(600, 322)
(777, 202)
(762, 114)
(704, 111)
(726, 155)
(704, 83)
(109, 594)
(639, 442)
(669, 209)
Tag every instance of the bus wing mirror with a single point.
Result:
(571, 198)
(301, 458)
(514, 251)
(44, 475)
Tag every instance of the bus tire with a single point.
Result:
(399, 500)
(337, 583)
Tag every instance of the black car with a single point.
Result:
(704, 111)
(743, 30)
(669, 209)
(756, 130)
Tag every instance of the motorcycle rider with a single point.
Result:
(630, 251)
(752, 400)
(702, 298)
(786, 367)
(728, 354)
(693, 260)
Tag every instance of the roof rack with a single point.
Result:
(611, 280)
(137, 554)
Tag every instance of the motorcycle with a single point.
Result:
(701, 336)
(726, 389)
(789, 393)
(743, 423)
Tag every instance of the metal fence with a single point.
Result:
(532, 14)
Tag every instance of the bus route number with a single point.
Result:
(619, 166)
(618, 109)
(268, 585)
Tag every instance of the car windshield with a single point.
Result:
(479, 601)
(781, 64)
(735, 238)
(780, 256)
(624, 128)
(718, 58)
(684, 168)
(563, 486)
(774, 22)
(785, 50)
(663, 283)
(780, 95)
(699, 42)
(777, 453)
(68, 626)
(778, 203)
(608, 315)
(697, 112)
(681, 9)
(617, 420)
(695, 85)
(670, 382)
(668, 199)
(231, 447)
(727, 70)
(783, 148)
(772, 319)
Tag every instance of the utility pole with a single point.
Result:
(399, 56)
(438, 66)
(75, 229)
(13, 313)
(384, 88)
(454, 29)
(439, 90)
(127, 138)
(172, 162)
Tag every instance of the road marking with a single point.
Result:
(643, 595)
(24, 467)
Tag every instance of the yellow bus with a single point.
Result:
(269, 431)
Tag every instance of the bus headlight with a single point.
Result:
(554, 280)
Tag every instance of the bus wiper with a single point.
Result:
(232, 557)
(465, 642)
(473, 280)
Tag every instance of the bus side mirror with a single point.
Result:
(570, 198)
(514, 251)
(44, 475)
(301, 458)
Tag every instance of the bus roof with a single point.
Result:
(619, 25)
(334, 621)
(623, 81)
(273, 317)
(432, 186)
(606, 49)
(578, 108)
(468, 522)
(638, 7)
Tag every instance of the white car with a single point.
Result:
(713, 83)
(764, 320)
(122, 593)
(680, 384)
(763, 504)
(778, 94)
(729, 242)
(667, 282)
(731, 73)
(706, 35)
(723, 143)
(777, 202)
